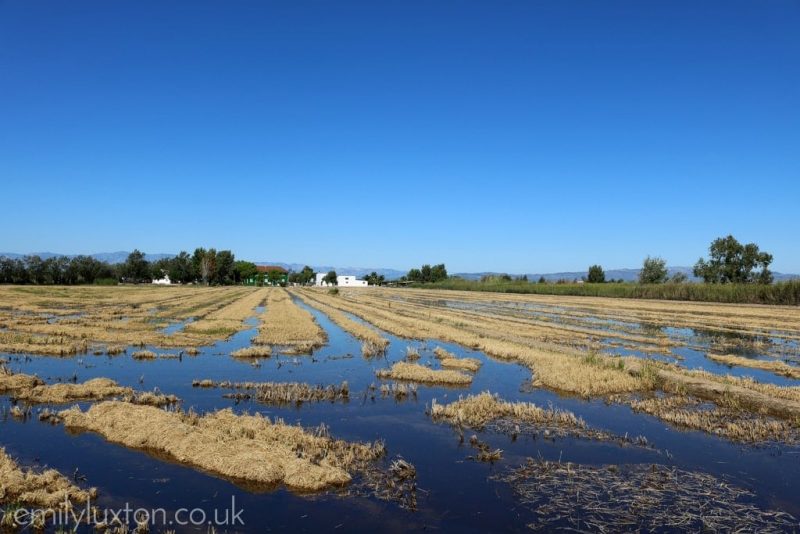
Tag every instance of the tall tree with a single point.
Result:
(136, 268)
(732, 262)
(180, 268)
(331, 278)
(224, 267)
(654, 271)
(596, 275)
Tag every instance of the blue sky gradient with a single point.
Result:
(506, 136)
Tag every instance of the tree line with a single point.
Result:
(426, 274)
(728, 262)
(206, 266)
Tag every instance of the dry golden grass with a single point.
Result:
(777, 367)
(33, 390)
(239, 447)
(144, 355)
(451, 361)
(262, 351)
(478, 410)
(15, 382)
(49, 489)
(286, 324)
(94, 389)
(415, 372)
(373, 342)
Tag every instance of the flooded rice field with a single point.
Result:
(400, 410)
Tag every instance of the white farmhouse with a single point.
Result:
(341, 280)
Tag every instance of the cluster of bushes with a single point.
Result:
(426, 274)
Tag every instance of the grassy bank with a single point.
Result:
(779, 293)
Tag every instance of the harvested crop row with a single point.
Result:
(286, 324)
(239, 447)
(415, 372)
(229, 319)
(559, 368)
(49, 489)
(374, 343)
(777, 367)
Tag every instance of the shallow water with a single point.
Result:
(454, 492)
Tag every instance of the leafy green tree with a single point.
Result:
(375, 279)
(542, 280)
(136, 269)
(654, 271)
(180, 269)
(732, 262)
(331, 278)
(438, 273)
(414, 275)
(306, 275)
(242, 270)
(596, 275)
(223, 274)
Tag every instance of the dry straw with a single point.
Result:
(240, 447)
(415, 372)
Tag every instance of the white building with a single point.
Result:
(342, 281)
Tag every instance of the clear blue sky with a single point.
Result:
(508, 136)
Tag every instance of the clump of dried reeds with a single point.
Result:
(283, 393)
(477, 411)
(412, 354)
(399, 391)
(415, 372)
(397, 484)
(370, 349)
(242, 447)
(96, 388)
(260, 351)
(725, 418)
(637, 498)
(11, 382)
(485, 452)
(450, 360)
(144, 355)
(150, 398)
(48, 489)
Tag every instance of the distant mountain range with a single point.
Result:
(629, 275)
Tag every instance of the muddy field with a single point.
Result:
(400, 409)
